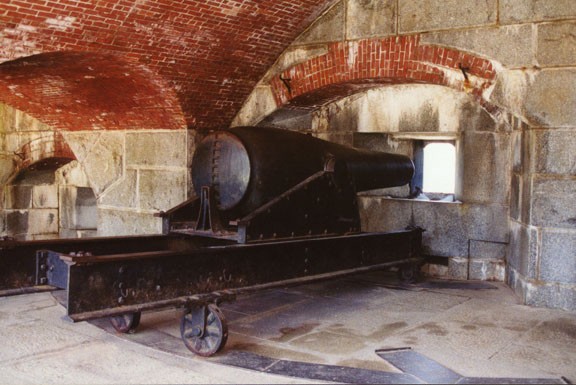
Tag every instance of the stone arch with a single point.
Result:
(48, 147)
(376, 62)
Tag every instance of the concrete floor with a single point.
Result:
(366, 328)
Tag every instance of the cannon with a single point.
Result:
(272, 208)
(259, 183)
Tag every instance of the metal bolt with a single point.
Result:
(120, 299)
(43, 281)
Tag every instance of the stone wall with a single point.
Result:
(114, 184)
(531, 99)
(121, 125)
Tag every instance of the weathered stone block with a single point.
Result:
(329, 27)
(35, 177)
(72, 174)
(78, 208)
(511, 87)
(17, 222)
(376, 141)
(489, 222)
(445, 227)
(383, 214)
(458, 268)
(485, 172)
(344, 138)
(511, 46)
(43, 221)
(81, 143)
(259, 104)
(289, 119)
(161, 189)
(555, 152)
(449, 226)
(6, 166)
(558, 256)
(18, 197)
(12, 120)
(542, 101)
(369, 18)
(116, 222)
(103, 162)
(553, 203)
(433, 270)
(65, 233)
(123, 193)
(424, 15)
(556, 44)
(487, 270)
(157, 149)
(410, 108)
(524, 249)
(551, 295)
(517, 11)
(487, 250)
(45, 196)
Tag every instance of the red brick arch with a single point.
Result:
(81, 91)
(395, 60)
(50, 146)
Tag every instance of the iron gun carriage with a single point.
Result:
(272, 208)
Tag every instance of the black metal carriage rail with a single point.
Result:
(108, 285)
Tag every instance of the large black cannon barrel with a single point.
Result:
(249, 166)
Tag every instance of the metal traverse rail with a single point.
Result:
(121, 286)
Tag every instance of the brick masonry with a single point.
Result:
(398, 59)
(211, 52)
(74, 91)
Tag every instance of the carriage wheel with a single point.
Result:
(204, 330)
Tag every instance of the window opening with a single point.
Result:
(439, 168)
(435, 169)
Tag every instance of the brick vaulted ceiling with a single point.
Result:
(211, 52)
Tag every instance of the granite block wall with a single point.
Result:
(516, 59)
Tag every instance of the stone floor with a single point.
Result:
(362, 329)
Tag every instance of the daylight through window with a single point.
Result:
(439, 168)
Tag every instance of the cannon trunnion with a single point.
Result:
(272, 208)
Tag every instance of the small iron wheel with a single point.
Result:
(409, 273)
(126, 323)
(214, 337)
